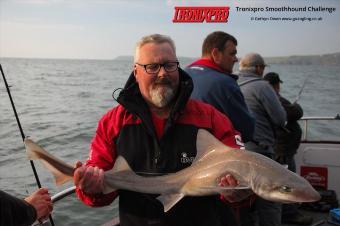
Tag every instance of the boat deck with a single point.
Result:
(320, 218)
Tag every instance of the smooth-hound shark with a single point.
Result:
(265, 177)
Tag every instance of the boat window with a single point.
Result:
(320, 129)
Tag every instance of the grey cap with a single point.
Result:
(251, 60)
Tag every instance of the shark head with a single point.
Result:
(288, 188)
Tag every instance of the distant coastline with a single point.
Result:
(325, 59)
(332, 59)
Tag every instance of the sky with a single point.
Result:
(106, 29)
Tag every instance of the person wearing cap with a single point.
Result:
(269, 114)
(287, 142)
(215, 84)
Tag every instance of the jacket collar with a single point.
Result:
(211, 64)
(247, 74)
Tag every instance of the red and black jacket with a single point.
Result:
(128, 130)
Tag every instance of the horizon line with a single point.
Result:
(128, 56)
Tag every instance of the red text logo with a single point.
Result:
(199, 14)
(317, 176)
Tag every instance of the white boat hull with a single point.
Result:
(322, 160)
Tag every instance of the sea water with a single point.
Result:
(59, 103)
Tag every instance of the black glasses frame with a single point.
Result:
(159, 67)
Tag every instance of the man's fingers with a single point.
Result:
(100, 178)
(78, 175)
(78, 164)
(46, 197)
(231, 180)
(89, 171)
(89, 179)
(42, 191)
(101, 175)
(50, 208)
(95, 171)
(228, 180)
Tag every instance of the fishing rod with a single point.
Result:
(301, 89)
(22, 132)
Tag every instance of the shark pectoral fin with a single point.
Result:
(169, 201)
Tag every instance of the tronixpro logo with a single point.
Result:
(199, 14)
(185, 158)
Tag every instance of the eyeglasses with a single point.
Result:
(155, 68)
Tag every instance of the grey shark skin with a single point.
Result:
(263, 176)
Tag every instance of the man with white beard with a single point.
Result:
(154, 128)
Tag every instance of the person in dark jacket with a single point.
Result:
(215, 84)
(154, 128)
(23, 212)
(287, 143)
(263, 102)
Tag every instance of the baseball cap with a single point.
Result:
(272, 78)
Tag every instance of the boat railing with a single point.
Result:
(306, 122)
(64, 193)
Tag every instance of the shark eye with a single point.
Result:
(285, 189)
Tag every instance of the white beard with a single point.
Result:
(161, 96)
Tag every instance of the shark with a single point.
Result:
(263, 176)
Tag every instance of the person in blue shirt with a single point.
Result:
(215, 84)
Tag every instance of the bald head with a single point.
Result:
(251, 60)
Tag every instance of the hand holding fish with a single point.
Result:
(233, 195)
(89, 179)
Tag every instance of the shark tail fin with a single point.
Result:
(61, 171)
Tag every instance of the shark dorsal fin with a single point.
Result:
(206, 143)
